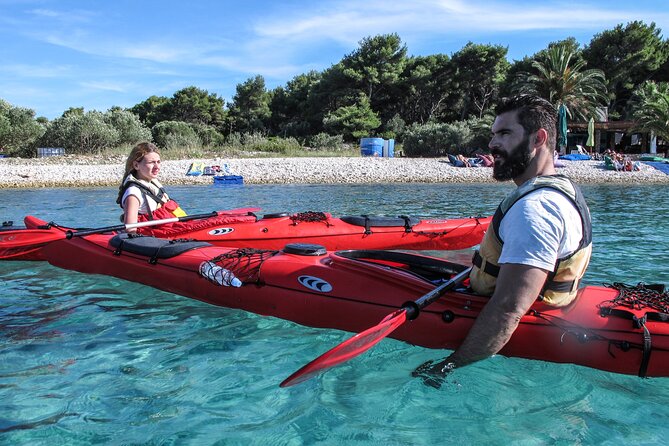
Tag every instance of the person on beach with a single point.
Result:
(539, 242)
(141, 196)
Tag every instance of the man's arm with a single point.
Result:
(518, 286)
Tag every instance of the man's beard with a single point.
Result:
(515, 164)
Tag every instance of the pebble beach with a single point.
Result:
(77, 171)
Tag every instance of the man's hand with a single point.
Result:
(433, 374)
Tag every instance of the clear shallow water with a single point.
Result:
(97, 360)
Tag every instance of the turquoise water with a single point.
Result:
(96, 360)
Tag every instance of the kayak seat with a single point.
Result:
(429, 268)
(380, 221)
(368, 222)
(155, 248)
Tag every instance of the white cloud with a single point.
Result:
(349, 20)
(63, 17)
(37, 71)
(105, 86)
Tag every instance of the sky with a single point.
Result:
(96, 54)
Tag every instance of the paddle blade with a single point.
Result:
(348, 349)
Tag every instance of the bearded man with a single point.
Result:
(539, 243)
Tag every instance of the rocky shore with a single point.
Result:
(76, 171)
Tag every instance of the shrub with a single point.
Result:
(130, 128)
(425, 140)
(175, 135)
(275, 145)
(323, 141)
(435, 139)
(209, 136)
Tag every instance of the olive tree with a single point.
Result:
(86, 133)
(19, 131)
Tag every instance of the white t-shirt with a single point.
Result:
(540, 228)
(137, 192)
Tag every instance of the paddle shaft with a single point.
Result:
(362, 342)
(413, 308)
(69, 234)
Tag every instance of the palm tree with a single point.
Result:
(650, 108)
(562, 82)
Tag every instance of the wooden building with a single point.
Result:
(616, 135)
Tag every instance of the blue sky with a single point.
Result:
(56, 54)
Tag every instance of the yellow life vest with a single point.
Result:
(562, 283)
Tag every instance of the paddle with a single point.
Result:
(362, 342)
(23, 243)
(126, 227)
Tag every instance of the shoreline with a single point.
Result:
(79, 171)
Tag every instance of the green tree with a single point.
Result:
(628, 55)
(423, 88)
(650, 108)
(376, 65)
(74, 111)
(374, 69)
(197, 106)
(250, 110)
(561, 81)
(477, 72)
(152, 110)
(353, 121)
(524, 65)
(290, 106)
(19, 131)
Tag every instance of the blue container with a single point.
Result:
(371, 146)
(389, 148)
(228, 179)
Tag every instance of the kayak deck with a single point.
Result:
(354, 290)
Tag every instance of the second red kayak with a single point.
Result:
(274, 231)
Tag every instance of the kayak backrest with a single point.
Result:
(155, 248)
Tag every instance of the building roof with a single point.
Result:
(618, 126)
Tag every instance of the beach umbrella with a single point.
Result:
(562, 127)
(591, 133)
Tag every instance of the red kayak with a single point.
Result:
(353, 290)
(243, 228)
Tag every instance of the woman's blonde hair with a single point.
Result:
(136, 154)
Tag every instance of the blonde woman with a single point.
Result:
(141, 196)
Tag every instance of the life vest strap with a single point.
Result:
(487, 267)
(563, 287)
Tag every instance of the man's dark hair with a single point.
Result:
(534, 113)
